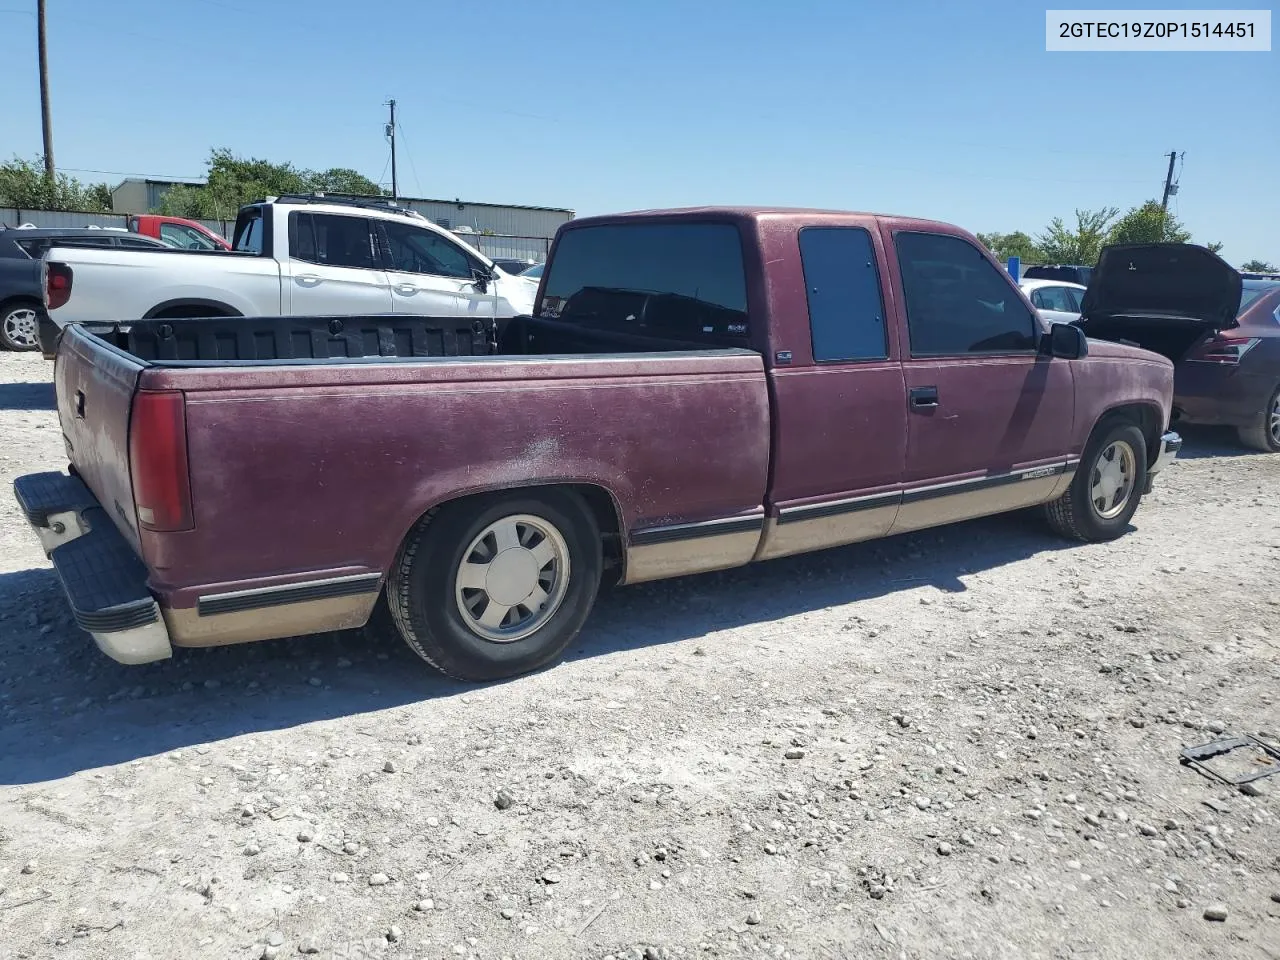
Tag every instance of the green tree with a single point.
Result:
(184, 200)
(1006, 245)
(99, 195)
(24, 184)
(1258, 266)
(1215, 247)
(1149, 224)
(342, 180)
(1059, 244)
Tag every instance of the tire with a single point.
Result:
(1075, 514)
(460, 628)
(19, 325)
(1264, 433)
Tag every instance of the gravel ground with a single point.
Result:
(962, 743)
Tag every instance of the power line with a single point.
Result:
(134, 173)
(412, 166)
(382, 177)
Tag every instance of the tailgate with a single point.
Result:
(95, 385)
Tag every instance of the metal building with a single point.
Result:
(138, 195)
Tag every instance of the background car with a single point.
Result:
(534, 272)
(1233, 379)
(513, 265)
(1055, 301)
(20, 295)
(1069, 273)
(178, 232)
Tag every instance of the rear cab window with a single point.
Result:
(250, 235)
(677, 281)
(842, 285)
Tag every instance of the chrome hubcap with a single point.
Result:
(20, 327)
(512, 578)
(1112, 482)
(1275, 420)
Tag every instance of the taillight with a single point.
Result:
(57, 284)
(158, 460)
(1220, 349)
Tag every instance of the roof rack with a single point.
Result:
(347, 200)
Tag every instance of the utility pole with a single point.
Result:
(1168, 189)
(45, 116)
(391, 135)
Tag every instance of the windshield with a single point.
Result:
(684, 281)
(534, 271)
(1252, 291)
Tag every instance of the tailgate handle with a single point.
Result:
(80, 404)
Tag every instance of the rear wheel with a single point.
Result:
(497, 586)
(19, 326)
(1107, 486)
(1264, 433)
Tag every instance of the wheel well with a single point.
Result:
(1145, 417)
(190, 308)
(15, 301)
(601, 503)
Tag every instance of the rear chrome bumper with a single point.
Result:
(103, 578)
(1170, 444)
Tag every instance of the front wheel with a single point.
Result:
(19, 327)
(496, 586)
(1107, 486)
(1264, 433)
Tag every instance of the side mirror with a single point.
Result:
(481, 278)
(1065, 341)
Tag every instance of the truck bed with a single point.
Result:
(314, 444)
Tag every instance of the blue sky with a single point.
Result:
(945, 110)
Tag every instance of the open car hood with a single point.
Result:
(1150, 283)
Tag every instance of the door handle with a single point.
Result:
(923, 398)
(307, 279)
(406, 288)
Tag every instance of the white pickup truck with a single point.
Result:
(297, 255)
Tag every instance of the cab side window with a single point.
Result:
(957, 301)
(414, 250)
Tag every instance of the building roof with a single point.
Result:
(402, 199)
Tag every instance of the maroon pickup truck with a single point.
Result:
(696, 390)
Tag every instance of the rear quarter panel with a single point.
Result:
(116, 284)
(19, 278)
(325, 468)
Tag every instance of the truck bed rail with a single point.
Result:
(299, 338)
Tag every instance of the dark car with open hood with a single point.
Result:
(1222, 332)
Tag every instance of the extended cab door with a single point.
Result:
(840, 402)
(989, 419)
(333, 266)
(429, 274)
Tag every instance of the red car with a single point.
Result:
(178, 232)
(1233, 378)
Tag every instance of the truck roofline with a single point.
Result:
(754, 214)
